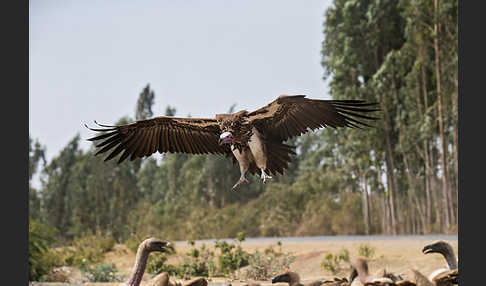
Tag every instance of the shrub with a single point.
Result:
(366, 250)
(103, 272)
(197, 262)
(263, 266)
(231, 258)
(83, 251)
(157, 264)
(40, 239)
(332, 262)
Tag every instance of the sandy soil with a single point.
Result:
(395, 255)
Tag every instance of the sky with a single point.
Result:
(89, 60)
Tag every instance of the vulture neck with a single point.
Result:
(294, 279)
(139, 267)
(450, 257)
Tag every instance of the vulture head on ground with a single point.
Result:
(144, 249)
(253, 139)
(444, 248)
(293, 279)
(443, 276)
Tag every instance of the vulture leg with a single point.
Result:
(259, 153)
(244, 158)
(242, 179)
(264, 176)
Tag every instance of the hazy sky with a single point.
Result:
(89, 60)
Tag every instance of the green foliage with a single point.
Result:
(333, 262)
(198, 262)
(155, 263)
(103, 272)
(231, 256)
(263, 266)
(84, 251)
(40, 239)
(366, 250)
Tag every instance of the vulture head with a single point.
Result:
(444, 248)
(289, 277)
(439, 246)
(155, 244)
(226, 138)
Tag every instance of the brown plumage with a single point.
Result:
(293, 279)
(336, 281)
(162, 279)
(253, 139)
(360, 265)
(444, 278)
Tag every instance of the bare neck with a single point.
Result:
(139, 267)
(450, 257)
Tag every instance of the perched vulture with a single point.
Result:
(443, 276)
(253, 139)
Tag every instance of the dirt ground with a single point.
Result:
(395, 255)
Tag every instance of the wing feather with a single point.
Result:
(163, 134)
(139, 145)
(290, 116)
(156, 142)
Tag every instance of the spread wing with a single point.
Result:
(292, 115)
(162, 134)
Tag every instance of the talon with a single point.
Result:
(264, 176)
(240, 181)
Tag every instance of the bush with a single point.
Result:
(366, 250)
(40, 239)
(263, 266)
(198, 262)
(103, 272)
(332, 262)
(231, 258)
(84, 250)
(157, 264)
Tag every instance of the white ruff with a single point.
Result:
(224, 135)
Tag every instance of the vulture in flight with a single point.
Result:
(253, 139)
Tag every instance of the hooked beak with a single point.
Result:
(169, 247)
(428, 249)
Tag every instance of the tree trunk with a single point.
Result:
(428, 162)
(366, 209)
(445, 181)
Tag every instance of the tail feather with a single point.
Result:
(278, 157)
